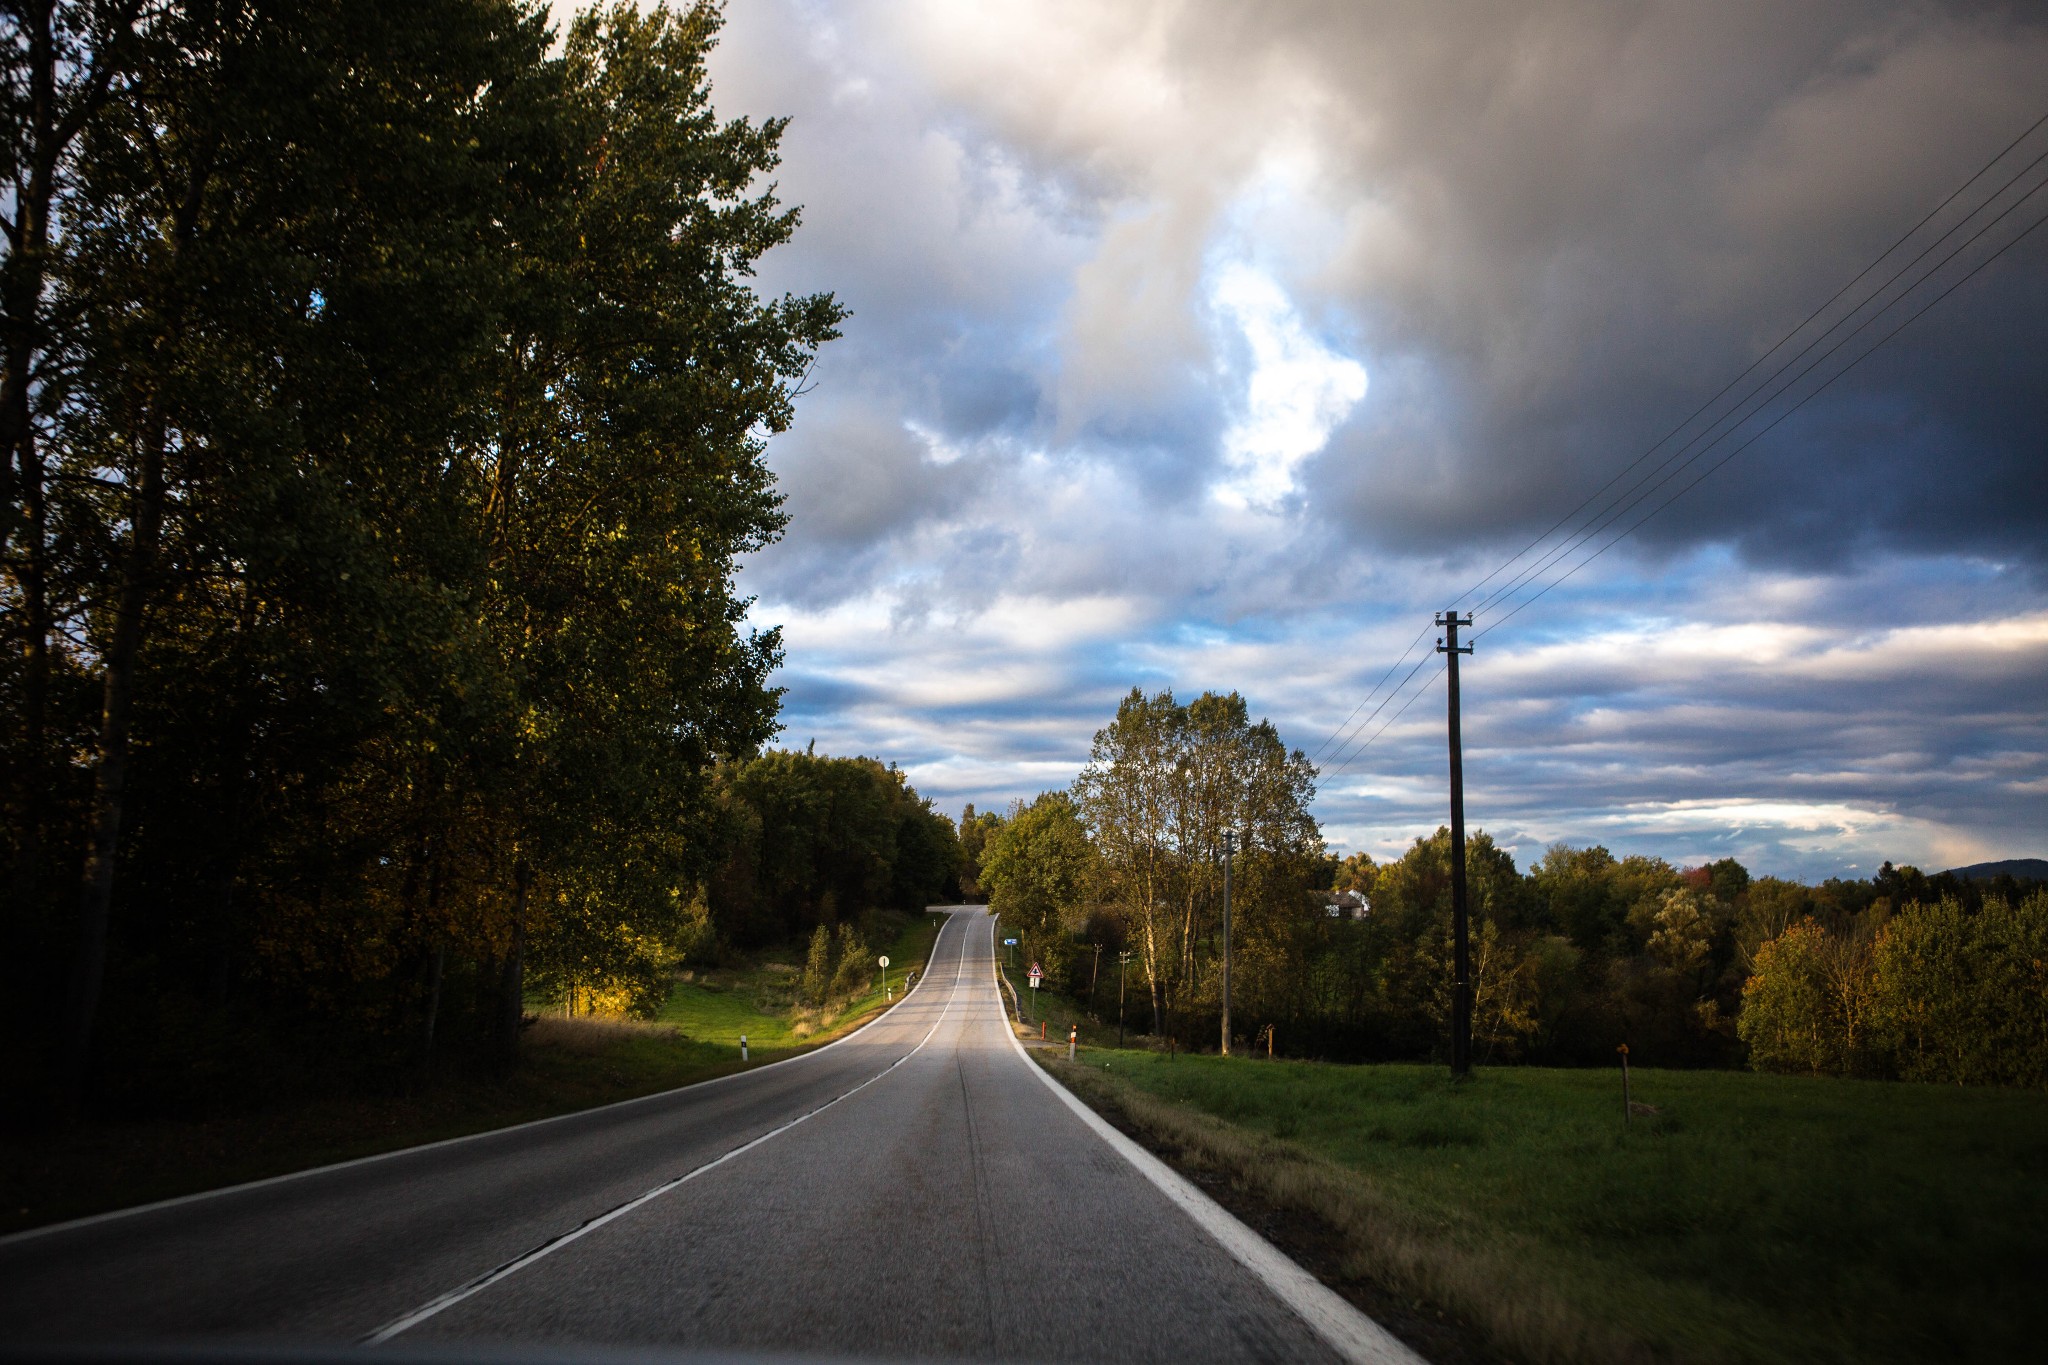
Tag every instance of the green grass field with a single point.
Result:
(1754, 1217)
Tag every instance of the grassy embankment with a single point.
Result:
(1051, 1009)
(1762, 1218)
(760, 1001)
(565, 1065)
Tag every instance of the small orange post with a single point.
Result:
(1041, 1030)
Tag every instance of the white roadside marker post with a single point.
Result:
(743, 1047)
(1073, 1033)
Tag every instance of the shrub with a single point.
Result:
(856, 964)
(817, 982)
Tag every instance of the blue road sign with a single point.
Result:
(1010, 942)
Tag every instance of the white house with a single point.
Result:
(1347, 905)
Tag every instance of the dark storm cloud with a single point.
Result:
(1627, 204)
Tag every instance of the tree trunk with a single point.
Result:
(111, 776)
(1152, 972)
(435, 973)
(511, 980)
(33, 795)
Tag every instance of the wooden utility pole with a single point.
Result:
(1461, 937)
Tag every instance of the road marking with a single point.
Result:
(584, 1229)
(1350, 1333)
(71, 1225)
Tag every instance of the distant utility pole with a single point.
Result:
(1461, 937)
(1229, 847)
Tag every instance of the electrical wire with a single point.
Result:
(1415, 696)
(1643, 489)
(1341, 755)
(1650, 483)
(1370, 695)
(1782, 341)
(1822, 388)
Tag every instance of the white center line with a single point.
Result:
(554, 1244)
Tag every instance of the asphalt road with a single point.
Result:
(916, 1190)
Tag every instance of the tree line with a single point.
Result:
(1900, 974)
(383, 399)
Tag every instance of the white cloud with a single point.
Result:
(1296, 390)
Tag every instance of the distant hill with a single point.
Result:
(2020, 869)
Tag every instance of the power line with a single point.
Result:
(1778, 345)
(1341, 753)
(1650, 482)
(1413, 697)
(1822, 388)
(1370, 695)
(1644, 488)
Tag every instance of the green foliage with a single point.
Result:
(1962, 997)
(1039, 869)
(1692, 967)
(1356, 873)
(857, 966)
(817, 980)
(1935, 993)
(1165, 781)
(808, 840)
(405, 435)
(1789, 1017)
(974, 834)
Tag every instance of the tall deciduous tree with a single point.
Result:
(1163, 784)
(412, 404)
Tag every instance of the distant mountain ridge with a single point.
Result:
(2021, 869)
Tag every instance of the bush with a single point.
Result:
(856, 964)
(817, 982)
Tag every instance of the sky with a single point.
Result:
(1211, 346)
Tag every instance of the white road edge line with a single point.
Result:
(554, 1244)
(1350, 1333)
(71, 1225)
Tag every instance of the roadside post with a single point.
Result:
(1623, 1050)
(743, 1047)
(1073, 1036)
(885, 978)
(1036, 973)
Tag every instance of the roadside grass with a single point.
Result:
(760, 999)
(566, 1064)
(1753, 1218)
(1059, 1012)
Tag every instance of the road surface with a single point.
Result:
(916, 1190)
